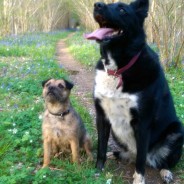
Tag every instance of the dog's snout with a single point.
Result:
(51, 88)
(99, 5)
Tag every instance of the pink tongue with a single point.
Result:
(99, 34)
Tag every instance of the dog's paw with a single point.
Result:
(110, 155)
(44, 166)
(138, 178)
(166, 175)
(100, 165)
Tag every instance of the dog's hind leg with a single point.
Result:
(88, 147)
(175, 142)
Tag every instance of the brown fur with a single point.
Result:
(61, 133)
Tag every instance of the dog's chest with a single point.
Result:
(57, 129)
(116, 106)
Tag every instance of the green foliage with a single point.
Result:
(176, 82)
(84, 51)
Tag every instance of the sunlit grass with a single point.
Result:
(84, 51)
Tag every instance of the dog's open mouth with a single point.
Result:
(106, 31)
(103, 33)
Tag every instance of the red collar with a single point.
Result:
(117, 73)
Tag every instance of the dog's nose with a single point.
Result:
(99, 5)
(51, 88)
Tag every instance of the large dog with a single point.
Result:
(132, 97)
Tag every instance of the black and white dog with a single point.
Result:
(132, 97)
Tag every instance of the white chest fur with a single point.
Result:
(117, 107)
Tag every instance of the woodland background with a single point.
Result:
(164, 26)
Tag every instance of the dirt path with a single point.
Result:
(83, 79)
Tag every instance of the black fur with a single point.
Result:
(68, 84)
(155, 120)
(44, 82)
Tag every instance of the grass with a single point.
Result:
(25, 61)
(84, 51)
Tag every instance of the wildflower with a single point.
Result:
(109, 181)
(19, 165)
(27, 133)
(14, 131)
(44, 176)
(31, 141)
(14, 124)
(40, 117)
(15, 106)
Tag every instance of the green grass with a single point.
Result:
(25, 61)
(84, 51)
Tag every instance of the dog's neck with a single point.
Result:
(58, 108)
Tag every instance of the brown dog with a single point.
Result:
(62, 127)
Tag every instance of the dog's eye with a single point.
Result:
(61, 86)
(47, 84)
(122, 11)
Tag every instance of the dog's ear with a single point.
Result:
(44, 82)
(68, 84)
(141, 7)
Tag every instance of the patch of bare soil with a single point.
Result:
(83, 80)
(81, 77)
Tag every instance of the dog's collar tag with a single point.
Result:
(61, 114)
(64, 113)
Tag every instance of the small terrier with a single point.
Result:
(62, 127)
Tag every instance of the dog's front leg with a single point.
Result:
(142, 139)
(103, 128)
(47, 152)
(75, 150)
